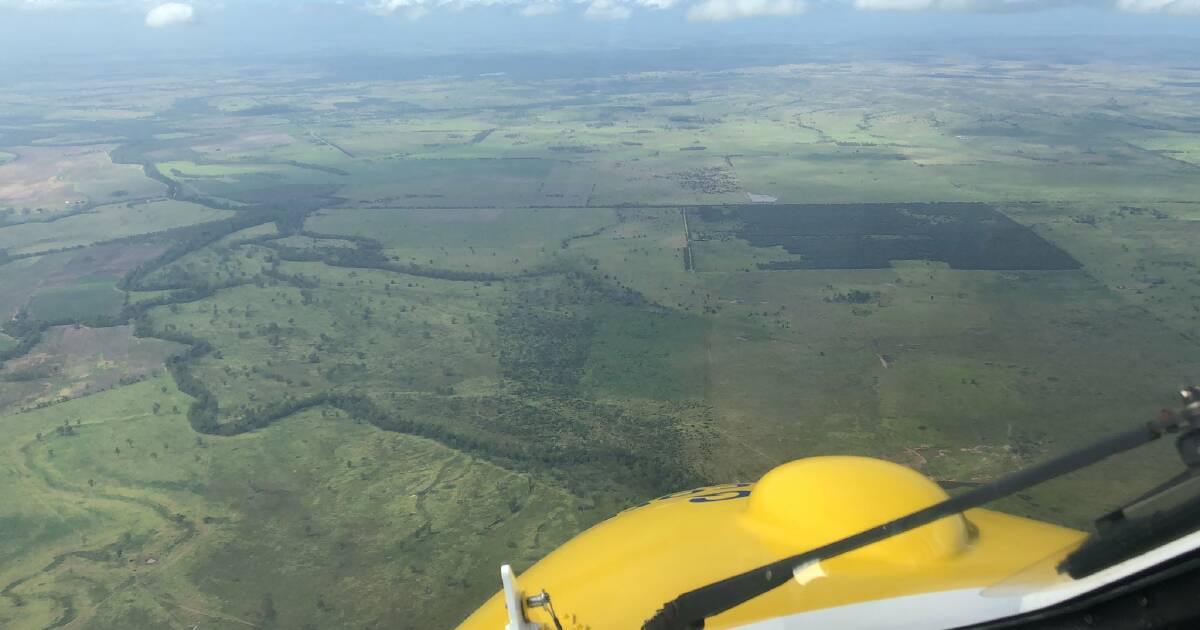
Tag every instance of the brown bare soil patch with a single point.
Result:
(74, 361)
(103, 260)
(33, 179)
(47, 181)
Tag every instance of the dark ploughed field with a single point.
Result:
(871, 236)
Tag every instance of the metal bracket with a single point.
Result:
(514, 602)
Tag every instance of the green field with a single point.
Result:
(104, 223)
(496, 241)
(84, 301)
(326, 356)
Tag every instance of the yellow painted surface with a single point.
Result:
(618, 573)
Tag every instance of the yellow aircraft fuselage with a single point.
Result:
(619, 572)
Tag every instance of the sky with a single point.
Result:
(31, 29)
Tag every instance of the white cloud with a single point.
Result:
(539, 9)
(387, 7)
(622, 9)
(1160, 6)
(173, 13)
(415, 9)
(594, 9)
(35, 5)
(984, 6)
(722, 10)
(893, 5)
(607, 10)
(169, 14)
(384, 7)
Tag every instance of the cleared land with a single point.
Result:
(43, 182)
(872, 236)
(104, 223)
